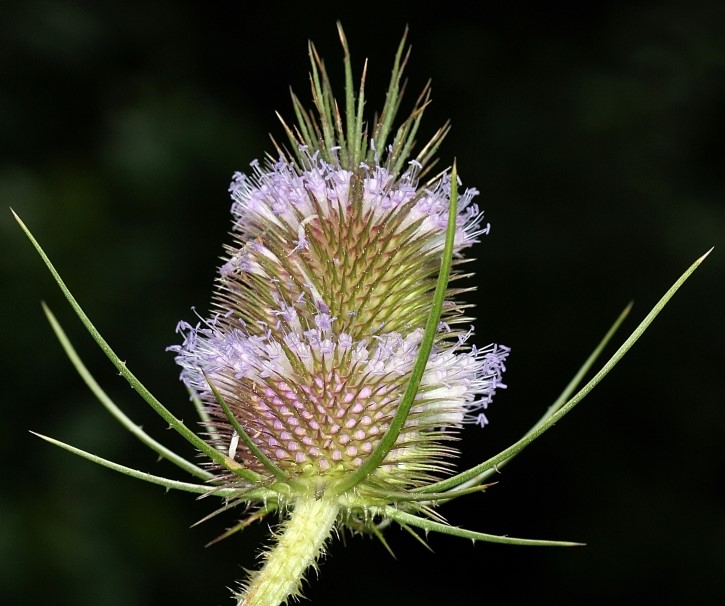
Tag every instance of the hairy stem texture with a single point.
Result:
(300, 542)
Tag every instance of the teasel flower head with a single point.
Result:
(337, 365)
(319, 312)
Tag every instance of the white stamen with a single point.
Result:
(233, 444)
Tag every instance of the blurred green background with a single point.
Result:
(595, 135)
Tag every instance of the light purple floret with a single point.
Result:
(280, 194)
(456, 385)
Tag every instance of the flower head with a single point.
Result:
(319, 311)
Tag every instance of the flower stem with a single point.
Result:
(300, 543)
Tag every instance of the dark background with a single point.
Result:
(595, 136)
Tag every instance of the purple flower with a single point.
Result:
(319, 310)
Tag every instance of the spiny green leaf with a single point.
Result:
(493, 462)
(106, 401)
(406, 518)
(176, 424)
(558, 403)
(146, 477)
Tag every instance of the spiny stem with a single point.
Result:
(300, 543)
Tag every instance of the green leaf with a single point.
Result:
(106, 401)
(558, 403)
(406, 518)
(176, 424)
(392, 496)
(492, 463)
(202, 489)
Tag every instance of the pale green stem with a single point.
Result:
(300, 543)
